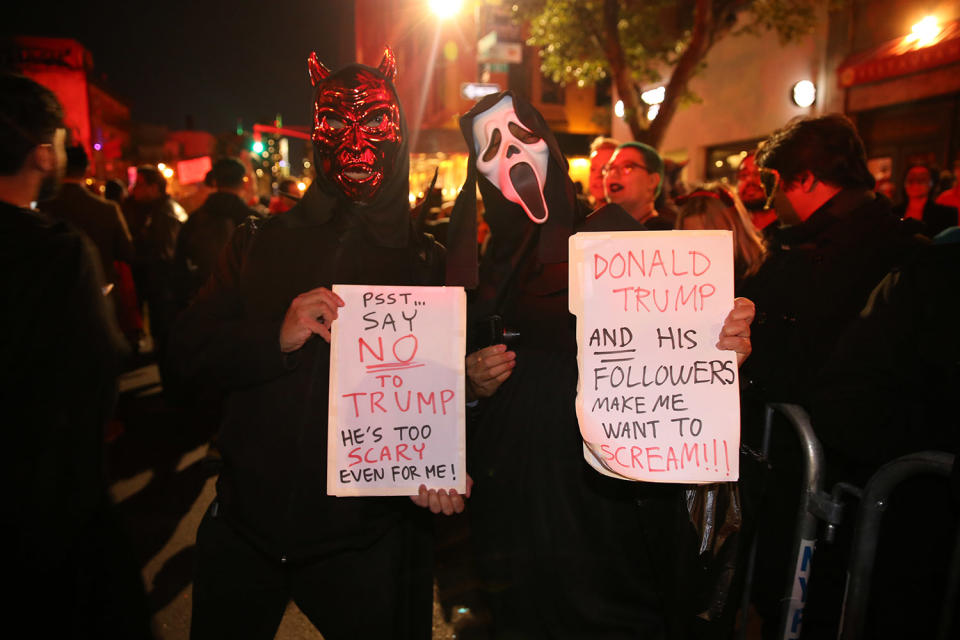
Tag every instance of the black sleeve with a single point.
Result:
(59, 391)
(215, 339)
(855, 406)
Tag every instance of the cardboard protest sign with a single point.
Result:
(657, 401)
(396, 417)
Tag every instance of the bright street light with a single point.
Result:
(924, 32)
(804, 93)
(445, 8)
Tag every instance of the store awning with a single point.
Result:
(900, 57)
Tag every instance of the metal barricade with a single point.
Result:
(815, 505)
(872, 507)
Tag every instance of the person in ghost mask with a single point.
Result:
(260, 329)
(559, 548)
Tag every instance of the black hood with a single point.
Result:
(512, 233)
(386, 218)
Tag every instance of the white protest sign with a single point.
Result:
(396, 417)
(657, 401)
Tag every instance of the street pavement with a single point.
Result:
(162, 483)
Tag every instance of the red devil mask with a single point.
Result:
(356, 126)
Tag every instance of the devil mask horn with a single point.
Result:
(317, 69)
(388, 66)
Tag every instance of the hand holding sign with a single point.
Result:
(442, 501)
(311, 312)
(735, 333)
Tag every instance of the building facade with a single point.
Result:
(865, 59)
(94, 118)
(442, 62)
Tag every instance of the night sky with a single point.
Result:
(213, 60)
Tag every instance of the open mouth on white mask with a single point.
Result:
(525, 183)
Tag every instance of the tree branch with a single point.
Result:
(622, 76)
(686, 67)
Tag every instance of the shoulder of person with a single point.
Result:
(610, 217)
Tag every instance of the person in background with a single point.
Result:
(155, 219)
(633, 179)
(70, 568)
(287, 195)
(951, 197)
(99, 219)
(209, 228)
(600, 151)
(836, 239)
(918, 207)
(716, 206)
(102, 221)
(750, 191)
(128, 311)
(888, 391)
(115, 191)
(886, 188)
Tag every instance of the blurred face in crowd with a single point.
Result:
(797, 201)
(629, 183)
(54, 159)
(886, 188)
(598, 160)
(356, 132)
(143, 191)
(917, 183)
(748, 184)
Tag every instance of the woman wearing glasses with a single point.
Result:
(633, 179)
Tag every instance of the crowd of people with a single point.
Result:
(842, 309)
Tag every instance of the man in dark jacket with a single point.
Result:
(100, 219)
(888, 391)
(357, 567)
(59, 356)
(209, 228)
(155, 220)
(835, 241)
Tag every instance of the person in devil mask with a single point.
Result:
(560, 549)
(272, 534)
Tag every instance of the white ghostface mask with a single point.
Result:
(512, 158)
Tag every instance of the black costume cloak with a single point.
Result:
(560, 547)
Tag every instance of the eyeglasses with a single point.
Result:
(626, 168)
(770, 181)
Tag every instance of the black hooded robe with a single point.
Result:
(560, 548)
(273, 533)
